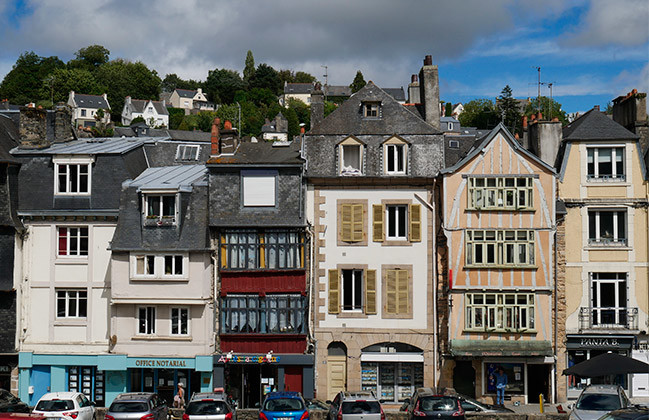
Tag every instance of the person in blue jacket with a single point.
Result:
(501, 384)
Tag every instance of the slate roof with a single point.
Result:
(139, 104)
(164, 152)
(396, 93)
(160, 108)
(184, 93)
(337, 90)
(180, 135)
(261, 153)
(90, 101)
(88, 146)
(298, 88)
(176, 178)
(595, 125)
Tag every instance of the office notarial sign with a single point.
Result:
(247, 359)
(160, 363)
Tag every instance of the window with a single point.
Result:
(397, 292)
(159, 266)
(371, 109)
(351, 159)
(173, 265)
(395, 159)
(83, 112)
(351, 222)
(160, 206)
(267, 249)
(71, 303)
(511, 248)
(146, 320)
(186, 151)
(607, 228)
(73, 178)
(179, 321)
(499, 312)
(454, 144)
(73, 242)
(145, 265)
(606, 163)
(450, 126)
(258, 188)
(396, 222)
(272, 314)
(352, 289)
(608, 298)
(497, 193)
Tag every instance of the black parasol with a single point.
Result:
(607, 364)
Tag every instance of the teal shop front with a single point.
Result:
(103, 377)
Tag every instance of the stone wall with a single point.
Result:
(561, 383)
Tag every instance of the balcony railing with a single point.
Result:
(607, 242)
(607, 178)
(608, 318)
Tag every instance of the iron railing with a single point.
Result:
(608, 318)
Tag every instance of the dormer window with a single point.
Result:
(371, 109)
(160, 208)
(395, 152)
(72, 176)
(187, 152)
(351, 157)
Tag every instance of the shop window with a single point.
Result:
(179, 321)
(270, 314)
(607, 228)
(609, 300)
(500, 193)
(160, 208)
(72, 242)
(146, 320)
(89, 381)
(398, 222)
(71, 178)
(511, 312)
(506, 248)
(606, 164)
(71, 303)
(515, 377)
(267, 249)
(351, 222)
(392, 382)
(153, 266)
(352, 290)
(258, 188)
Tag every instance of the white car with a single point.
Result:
(65, 406)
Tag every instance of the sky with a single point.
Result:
(590, 51)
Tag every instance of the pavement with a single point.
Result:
(532, 408)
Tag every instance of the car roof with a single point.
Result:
(601, 389)
(59, 395)
(283, 394)
(134, 396)
(631, 412)
(358, 395)
(208, 395)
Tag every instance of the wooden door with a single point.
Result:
(336, 375)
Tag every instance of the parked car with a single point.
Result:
(65, 406)
(632, 413)
(9, 403)
(21, 416)
(315, 404)
(355, 406)
(471, 405)
(283, 406)
(426, 404)
(137, 406)
(597, 400)
(209, 406)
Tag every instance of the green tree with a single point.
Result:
(329, 107)
(304, 77)
(61, 81)
(249, 69)
(229, 112)
(90, 57)
(100, 129)
(508, 109)
(262, 96)
(221, 85)
(24, 82)
(176, 116)
(358, 83)
(302, 111)
(448, 111)
(267, 77)
(549, 108)
(479, 113)
(172, 82)
(286, 76)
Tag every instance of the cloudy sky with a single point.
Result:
(590, 50)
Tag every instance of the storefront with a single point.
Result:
(103, 377)
(7, 364)
(248, 377)
(582, 347)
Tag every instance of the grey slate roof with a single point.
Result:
(181, 135)
(261, 153)
(184, 93)
(88, 146)
(90, 101)
(298, 88)
(177, 178)
(330, 90)
(595, 125)
(397, 93)
(160, 108)
(164, 152)
(138, 105)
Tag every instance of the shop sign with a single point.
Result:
(599, 342)
(247, 359)
(5, 369)
(160, 363)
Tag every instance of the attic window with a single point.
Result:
(372, 109)
(454, 144)
(187, 152)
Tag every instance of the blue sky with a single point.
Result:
(590, 50)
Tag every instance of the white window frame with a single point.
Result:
(179, 324)
(149, 320)
(68, 296)
(396, 160)
(615, 239)
(147, 195)
(80, 252)
(400, 219)
(357, 277)
(159, 265)
(185, 152)
(510, 312)
(355, 170)
(67, 162)
(500, 248)
(614, 176)
(259, 188)
(500, 193)
(619, 280)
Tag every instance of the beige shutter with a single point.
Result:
(346, 222)
(370, 292)
(334, 292)
(415, 223)
(357, 222)
(391, 292)
(403, 292)
(377, 226)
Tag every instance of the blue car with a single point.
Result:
(283, 406)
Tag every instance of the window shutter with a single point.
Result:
(377, 227)
(357, 222)
(334, 292)
(224, 252)
(391, 292)
(370, 292)
(346, 222)
(415, 223)
(403, 292)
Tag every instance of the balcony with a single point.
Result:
(610, 318)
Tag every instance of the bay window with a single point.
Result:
(499, 312)
(270, 314)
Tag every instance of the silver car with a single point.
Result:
(597, 400)
(361, 405)
(137, 406)
(209, 406)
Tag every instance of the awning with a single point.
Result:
(498, 348)
(392, 357)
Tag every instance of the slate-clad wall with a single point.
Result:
(8, 321)
(7, 237)
(226, 204)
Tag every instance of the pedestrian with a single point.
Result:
(501, 384)
(179, 398)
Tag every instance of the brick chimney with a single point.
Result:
(429, 91)
(413, 90)
(317, 105)
(216, 150)
(596, 108)
(33, 128)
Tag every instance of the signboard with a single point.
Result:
(5, 369)
(160, 363)
(599, 342)
(225, 358)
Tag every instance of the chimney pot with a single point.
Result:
(634, 91)
(596, 107)
(555, 119)
(428, 60)
(539, 116)
(227, 125)
(413, 78)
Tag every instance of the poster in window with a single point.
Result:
(514, 373)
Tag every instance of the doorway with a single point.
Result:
(336, 369)
(538, 383)
(464, 378)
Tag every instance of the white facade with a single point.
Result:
(148, 112)
(84, 116)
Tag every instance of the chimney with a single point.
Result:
(429, 91)
(596, 107)
(63, 123)
(33, 128)
(227, 125)
(630, 111)
(215, 137)
(317, 105)
(413, 90)
(544, 138)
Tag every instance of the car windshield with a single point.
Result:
(438, 404)
(206, 407)
(54, 405)
(361, 407)
(128, 407)
(598, 402)
(284, 404)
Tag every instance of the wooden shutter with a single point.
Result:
(357, 222)
(370, 292)
(403, 292)
(391, 292)
(334, 292)
(377, 225)
(415, 222)
(224, 252)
